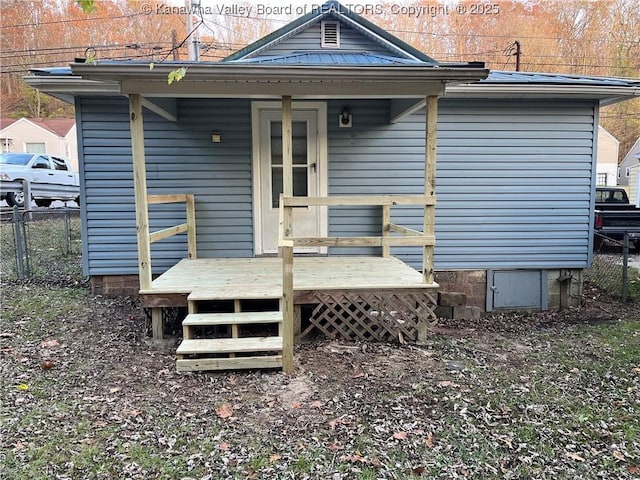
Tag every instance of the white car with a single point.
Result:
(48, 178)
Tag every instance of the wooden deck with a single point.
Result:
(256, 278)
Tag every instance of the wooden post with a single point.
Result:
(431, 123)
(386, 229)
(287, 251)
(157, 325)
(191, 227)
(140, 189)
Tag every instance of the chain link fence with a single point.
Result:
(42, 244)
(45, 245)
(615, 269)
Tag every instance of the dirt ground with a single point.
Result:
(86, 394)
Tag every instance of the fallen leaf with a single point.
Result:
(316, 404)
(274, 458)
(353, 458)
(224, 411)
(617, 455)
(400, 435)
(337, 421)
(446, 383)
(134, 413)
(296, 405)
(418, 471)
(334, 447)
(23, 387)
(636, 370)
(575, 456)
(633, 469)
(224, 446)
(100, 424)
(115, 389)
(429, 440)
(359, 374)
(50, 343)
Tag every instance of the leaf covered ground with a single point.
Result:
(85, 395)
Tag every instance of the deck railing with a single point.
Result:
(189, 227)
(407, 238)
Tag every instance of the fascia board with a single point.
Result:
(541, 91)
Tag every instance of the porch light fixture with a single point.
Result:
(216, 137)
(345, 118)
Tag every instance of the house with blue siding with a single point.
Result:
(338, 173)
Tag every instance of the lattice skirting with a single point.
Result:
(373, 315)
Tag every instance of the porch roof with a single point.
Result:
(106, 79)
(230, 79)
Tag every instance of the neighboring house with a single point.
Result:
(607, 161)
(515, 181)
(634, 184)
(55, 136)
(630, 159)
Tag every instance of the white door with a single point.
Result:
(309, 175)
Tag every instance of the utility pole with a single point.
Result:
(174, 45)
(193, 43)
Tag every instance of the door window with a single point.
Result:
(59, 164)
(300, 163)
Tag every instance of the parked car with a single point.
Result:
(615, 216)
(48, 178)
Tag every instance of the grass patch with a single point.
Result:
(52, 242)
(542, 396)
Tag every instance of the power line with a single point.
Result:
(72, 20)
(59, 50)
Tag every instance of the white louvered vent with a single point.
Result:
(330, 34)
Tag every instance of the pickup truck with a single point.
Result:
(48, 178)
(615, 216)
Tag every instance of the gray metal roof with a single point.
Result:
(554, 79)
(337, 57)
(362, 58)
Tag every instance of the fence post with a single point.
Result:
(26, 191)
(17, 232)
(625, 267)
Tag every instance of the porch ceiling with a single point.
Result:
(220, 80)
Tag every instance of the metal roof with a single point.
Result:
(363, 58)
(554, 79)
(337, 57)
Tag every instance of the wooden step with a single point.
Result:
(236, 292)
(202, 364)
(201, 346)
(238, 318)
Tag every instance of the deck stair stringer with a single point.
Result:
(230, 340)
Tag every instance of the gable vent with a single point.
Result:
(330, 34)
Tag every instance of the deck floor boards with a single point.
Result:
(243, 277)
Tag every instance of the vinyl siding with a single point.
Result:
(310, 39)
(180, 159)
(513, 180)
